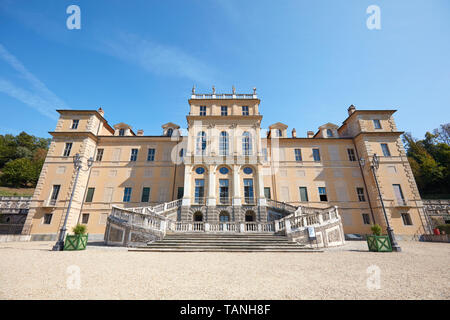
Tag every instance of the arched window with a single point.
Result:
(201, 142)
(223, 143)
(247, 143)
(169, 132)
(224, 216)
(329, 133)
(250, 216)
(279, 133)
(198, 216)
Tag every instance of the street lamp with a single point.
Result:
(77, 163)
(374, 166)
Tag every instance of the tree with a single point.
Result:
(430, 161)
(18, 173)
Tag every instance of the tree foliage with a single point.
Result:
(21, 159)
(430, 161)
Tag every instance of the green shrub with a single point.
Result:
(376, 230)
(444, 227)
(79, 229)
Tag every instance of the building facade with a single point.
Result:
(225, 167)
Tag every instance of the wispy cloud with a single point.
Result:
(39, 97)
(159, 59)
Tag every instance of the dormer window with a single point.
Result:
(169, 132)
(75, 123)
(203, 110)
(376, 124)
(329, 133)
(121, 132)
(279, 133)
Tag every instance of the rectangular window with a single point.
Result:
(145, 194)
(376, 124)
(264, 152)
(121, 132)
(316, 155)
(298, 155)
(199, 191)
(385, 149)
(151, 155)
(134, 153)
(245, 111)
(399, 194)
(248, 190)
(85, 218)
(75, 123)
(99, 156)
(303, 194)
(90, 194)
(55, 192)
(48, 218)
(224, 110)
(323, 194)
(406, 219)
(361, 196)
(127, 194)
(267, 192)
(180, 192)
(67, 149)
(203, 110)
(351, 155)
(223, 190)
(366, 218)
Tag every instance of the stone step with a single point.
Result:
(218, 249)
(211, 241)
(226, 238)
(223, 244)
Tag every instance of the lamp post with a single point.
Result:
(374, 166)
(77, 163)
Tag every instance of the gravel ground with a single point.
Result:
(29, 270)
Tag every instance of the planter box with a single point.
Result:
(75, 242)
(379, 243)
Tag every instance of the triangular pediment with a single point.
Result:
(278, 125)
(170, 125)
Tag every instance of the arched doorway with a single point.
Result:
(250, 216)
(198, 216)
(224, 216)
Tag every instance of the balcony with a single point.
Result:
(199, 200)
(224, 96)
(224, 200)
(49, 203)
(249, 200)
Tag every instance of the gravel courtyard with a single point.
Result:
(29, 270)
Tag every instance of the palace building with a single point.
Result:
(226, 169)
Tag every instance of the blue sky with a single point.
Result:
(309, 60)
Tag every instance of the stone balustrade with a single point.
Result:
(136, 226)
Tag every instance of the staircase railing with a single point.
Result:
(152, 218)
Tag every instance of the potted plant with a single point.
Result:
(377, 242)
(78, 240)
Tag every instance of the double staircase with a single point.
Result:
(298, 229)
(207, 242)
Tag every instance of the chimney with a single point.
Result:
(351, 109)
(140, 132)
(310, 134)
(294, 133)
(100, 110)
